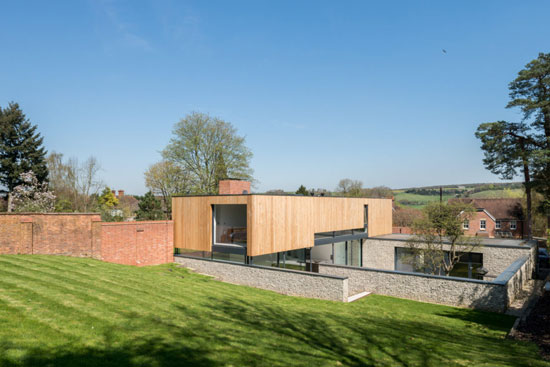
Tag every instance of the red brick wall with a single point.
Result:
(137, 243)
(490, 225)
(233, 187)
(403, 230)
(55, 234)
(84, 235)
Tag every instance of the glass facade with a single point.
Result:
(354, 253)
(230, 224)
(469, 263)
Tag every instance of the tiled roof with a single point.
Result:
(502, 209)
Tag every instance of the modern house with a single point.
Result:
(333, 248)
(288, 231)
(495, 218)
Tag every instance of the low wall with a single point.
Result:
(137, 243)
(379, 253)
(421, 287)
(494, 295)
(52, 233)
(84, 235)
(290, 282)
(515, 277)
(402, 230)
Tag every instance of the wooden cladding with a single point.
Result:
(278, 223)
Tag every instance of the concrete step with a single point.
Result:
(357, 296)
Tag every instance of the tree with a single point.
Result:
(107, 199)
(165, 179)
(530, 91)
(405, 217)
(149, 208)
(348, 187)
(378, 192)
(107, 203)
(438, 240)
(75, 184)
(32, 196)
(508, 147)
(209, 150)
(21, 149)
(302, 191)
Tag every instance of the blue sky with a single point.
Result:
(321, 90)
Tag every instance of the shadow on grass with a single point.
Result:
(233, 331)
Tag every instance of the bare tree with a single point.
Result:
(349, 187)
(88, 184)
(74, 183)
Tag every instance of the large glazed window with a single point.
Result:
(230, 224)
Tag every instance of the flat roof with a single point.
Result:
(491, 242)
(292, 195)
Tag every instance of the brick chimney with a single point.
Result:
(234, 187)
(114, 192)
(120, 193)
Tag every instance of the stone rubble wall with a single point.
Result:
(289, 282)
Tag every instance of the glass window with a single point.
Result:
(227, 256)
(354, 253)
(324, 235)
(347, 232)
(404, 259)
(294, 259)
(266, 260)
(482, 224)
(322, 254)
(195, 253)
(468, 265)
(513, 225)
(230, 224)
(466, 224)
(497, 224)
(340, 253)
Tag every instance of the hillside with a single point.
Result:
(418, 197)
(59, 311)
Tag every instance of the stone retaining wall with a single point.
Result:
(420, 287)
(290, 282)
(494, 295)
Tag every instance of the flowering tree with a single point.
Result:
(32, 196)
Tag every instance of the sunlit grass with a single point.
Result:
(59, 311)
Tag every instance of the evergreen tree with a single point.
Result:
(530, 91)
(150, 208)
(302, 191)
(21, 149)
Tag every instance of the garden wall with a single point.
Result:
(51, 234)
(84, 235)
(285, 281)
(137, 243)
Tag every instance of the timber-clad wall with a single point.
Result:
(278, 223)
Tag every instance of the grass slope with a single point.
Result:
(59, 311)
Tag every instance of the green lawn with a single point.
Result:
(59, 311)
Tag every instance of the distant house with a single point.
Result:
(127, 205)
(495, 218)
